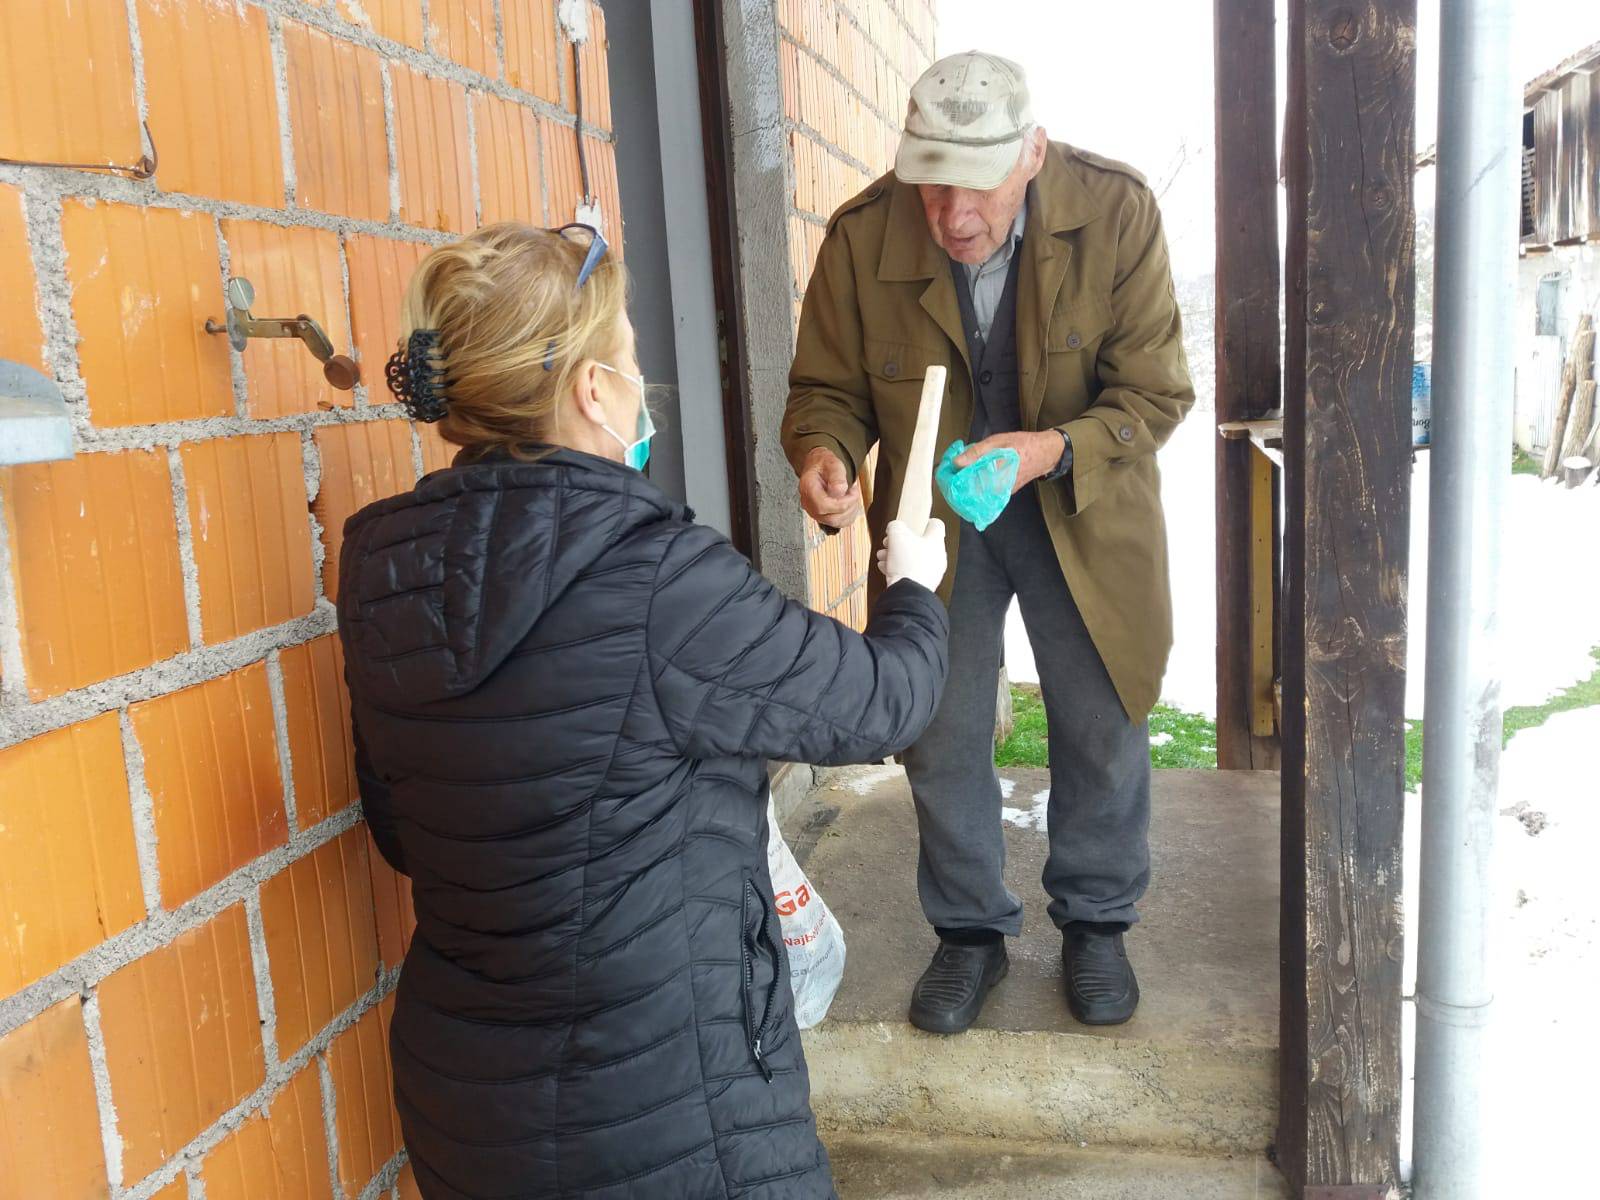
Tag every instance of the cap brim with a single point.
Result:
(921, 160)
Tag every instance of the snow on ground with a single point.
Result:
(1542, 1049)
(1550, 618)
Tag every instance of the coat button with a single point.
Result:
(1126, 433)
(986, 377)
(1073, 341)
(891, 369)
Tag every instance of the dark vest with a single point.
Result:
(996, 382)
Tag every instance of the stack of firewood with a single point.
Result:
(1574, 446)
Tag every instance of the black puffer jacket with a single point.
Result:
(565, 695)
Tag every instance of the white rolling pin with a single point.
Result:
(916, 493)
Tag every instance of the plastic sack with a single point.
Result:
(811, 934)
(980, 491)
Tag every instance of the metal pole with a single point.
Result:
(1475, 266)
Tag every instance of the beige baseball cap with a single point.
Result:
(966, 122)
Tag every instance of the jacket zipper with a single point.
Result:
(758, 1030)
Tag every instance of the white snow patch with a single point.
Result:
(1035, 816)
(863, 781)
(1544, 950)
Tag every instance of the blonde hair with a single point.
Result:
(505, 302)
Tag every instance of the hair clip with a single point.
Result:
(416, 376)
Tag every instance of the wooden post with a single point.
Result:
(1246, 353)
(1350, 147)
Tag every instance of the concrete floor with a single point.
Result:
(894, 1167)
(1193, 1073)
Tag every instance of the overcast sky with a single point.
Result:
(1133, 80)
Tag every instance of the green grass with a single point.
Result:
(1583, 694)
(1522, 463)
(1193, 738)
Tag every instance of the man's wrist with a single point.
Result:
(1063, 465)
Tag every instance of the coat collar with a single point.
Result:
(1058, 203)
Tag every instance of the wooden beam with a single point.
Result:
(1247, 339)
(1347, 442)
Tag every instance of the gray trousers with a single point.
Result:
(1099, 807)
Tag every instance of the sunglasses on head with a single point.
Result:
(591, 260)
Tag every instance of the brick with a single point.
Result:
(463, 31)
(94, 551)
(252, 532)
(596, 77)
(21, 338)
(360, 463)
(562, 179)
(380, 268)
(397, 20)
(318, 711)
(294, 270)
(144, 281)
(69, 874)
(322, 944)
(341, 153)
(211, 764)
(49, 1120)
(393, 909)
(437, 454)
(209, 85)
(183, 1039)
(67, 96)
(281, 1153)
(432, 142)
(603, 180)
(363, 1089)
(508, 161)
(532, 48)
(406, 1184)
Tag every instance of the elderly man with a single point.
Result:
(1038, 274)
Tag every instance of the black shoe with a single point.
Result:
(951, 992)
(1101, 989)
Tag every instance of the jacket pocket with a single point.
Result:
(891, 362)
(764, 962)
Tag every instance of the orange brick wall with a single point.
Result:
(847, 67)
(197, 943)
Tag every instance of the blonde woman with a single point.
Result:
(565, 693)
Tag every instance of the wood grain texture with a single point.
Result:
(1351, 143)
(1247, 342)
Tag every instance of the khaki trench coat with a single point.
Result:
(1100, 352)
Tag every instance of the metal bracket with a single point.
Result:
(241, 325)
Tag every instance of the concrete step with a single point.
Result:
(1193, 1073)
(899, 1166)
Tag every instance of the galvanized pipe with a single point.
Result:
(1477, 223)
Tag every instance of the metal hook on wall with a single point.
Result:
(340, 370)
(145, 168)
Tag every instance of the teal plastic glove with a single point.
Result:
(980, 491)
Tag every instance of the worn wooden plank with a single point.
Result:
(1247, 339)
(1546, 167)
(1575, 168)
(1592, 155)
(1293, 1062)
(1348, 450)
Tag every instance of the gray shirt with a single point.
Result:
(988, 278)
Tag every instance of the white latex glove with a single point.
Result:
(919, 557)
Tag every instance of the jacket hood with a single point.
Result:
(438, 585)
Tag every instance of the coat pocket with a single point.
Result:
(764, 973)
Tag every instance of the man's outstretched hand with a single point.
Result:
(1039, 452)
(826, 492)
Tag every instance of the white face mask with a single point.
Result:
(637, 452)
